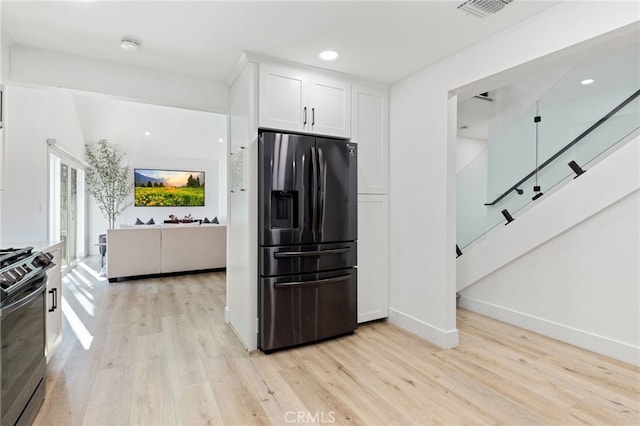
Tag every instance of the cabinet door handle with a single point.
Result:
(305, 117)
(313, 116)
(52, 292)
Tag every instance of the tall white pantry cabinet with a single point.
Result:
(271, 94)
(370, 130)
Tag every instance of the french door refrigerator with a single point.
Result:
(307, 284)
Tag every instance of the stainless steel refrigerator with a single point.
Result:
(307, 284)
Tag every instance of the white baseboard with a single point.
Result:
(227, 313)
(244, 345)
(371, 316)
(583, 339)
(437, 336)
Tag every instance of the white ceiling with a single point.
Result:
(383, 40)
(173, 132)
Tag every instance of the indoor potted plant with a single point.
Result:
(108, 180)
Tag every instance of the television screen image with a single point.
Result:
(168, 188)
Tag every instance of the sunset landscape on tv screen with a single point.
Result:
(168, 188)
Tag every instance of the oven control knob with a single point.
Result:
(43, 259)
(6, 279)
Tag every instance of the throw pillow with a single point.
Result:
(215, 220)
(206, 220)
(150, 222)
(139, 222)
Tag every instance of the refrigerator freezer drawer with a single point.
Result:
(285, 260)
(305, 308)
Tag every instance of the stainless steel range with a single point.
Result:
(23, 281)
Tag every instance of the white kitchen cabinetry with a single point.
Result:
(373, 257)
(303, 101)
(370, 130)
(53, 309)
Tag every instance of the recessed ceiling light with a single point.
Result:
(328, 55)
(147, 133)
(130, 44)
(220, 140)
(586, 81)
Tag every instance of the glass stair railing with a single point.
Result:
(534, 155)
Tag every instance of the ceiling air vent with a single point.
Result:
(483, 8)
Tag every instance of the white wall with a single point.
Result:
(213, 186)
(46, 68)
(471, 191)
(4, 74)
(178, 139)
(98, 224)
(423, 159)
(467, 150)
(4, 58)
(32, 116)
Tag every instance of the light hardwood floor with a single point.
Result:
(157, 352)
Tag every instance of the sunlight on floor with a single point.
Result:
(79, 283)
(91, 271)
(78, 327)
(76, 289)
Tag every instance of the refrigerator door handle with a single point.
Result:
(314, 282)
(310, 253)
(314, 191)
(323, 188)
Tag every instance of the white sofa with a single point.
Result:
(162, 249)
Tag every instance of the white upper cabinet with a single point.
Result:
(330, 102)
(301, 101)
(283, 97)
(370, 130)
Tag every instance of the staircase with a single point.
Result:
(549, 221)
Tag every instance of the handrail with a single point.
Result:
(566, 148)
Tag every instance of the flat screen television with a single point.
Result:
(168, 188)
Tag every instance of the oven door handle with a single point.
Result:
(24, 301)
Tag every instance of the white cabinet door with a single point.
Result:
(53, 307)
(330, 103)
(373, 255)
(301, 101)
(370, 130)
(283, 98)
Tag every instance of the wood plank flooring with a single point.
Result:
(157, 352)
